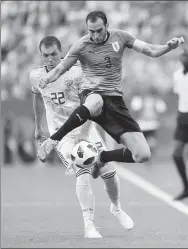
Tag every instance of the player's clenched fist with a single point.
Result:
(43, 82)
(175, 42)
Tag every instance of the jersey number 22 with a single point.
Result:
(58, 98)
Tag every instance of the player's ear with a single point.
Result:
(107, 25)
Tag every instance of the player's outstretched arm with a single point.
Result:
(157, 50)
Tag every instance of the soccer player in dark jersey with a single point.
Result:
(180, 78)
(59, 102)
(100, 54)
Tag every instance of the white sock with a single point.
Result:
(112, 187)
(86, 198)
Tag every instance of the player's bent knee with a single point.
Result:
(94, 103)
(107, 171)
(82, 172)
(110, 173)
(142, 156)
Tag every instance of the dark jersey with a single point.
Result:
(102, 64)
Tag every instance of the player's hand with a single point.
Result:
(175, 42)
(39, 136)
(43, 82)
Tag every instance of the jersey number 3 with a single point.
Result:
(58, 98)
(108, 62)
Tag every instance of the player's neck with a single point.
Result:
(106, 38)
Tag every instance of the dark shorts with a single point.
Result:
(115, 118)
(181, 131)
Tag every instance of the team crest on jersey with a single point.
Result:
(116, 46)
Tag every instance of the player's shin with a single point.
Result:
(79, 116)
(119, 155)
(112, 187)
(86, 198)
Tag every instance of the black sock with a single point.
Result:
(181, 169)
(78, 117)
(119, 155)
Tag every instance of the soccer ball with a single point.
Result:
(84, 154)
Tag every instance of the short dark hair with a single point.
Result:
(49, 41)
(92, 16)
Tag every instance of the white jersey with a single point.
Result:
(60, 97)
(181, 88)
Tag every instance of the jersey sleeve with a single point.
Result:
(79, 77)
(33, 80)
(72, 57)
(127, 38)
(74, 51)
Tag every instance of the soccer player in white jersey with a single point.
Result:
(59, 101)
(100, 54)
(180, 78)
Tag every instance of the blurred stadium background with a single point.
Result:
(148, 93)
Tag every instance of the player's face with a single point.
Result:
(51, 56)
(97, 31)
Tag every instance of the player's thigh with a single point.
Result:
(116, 118)
(137, 144)
(94, 103)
